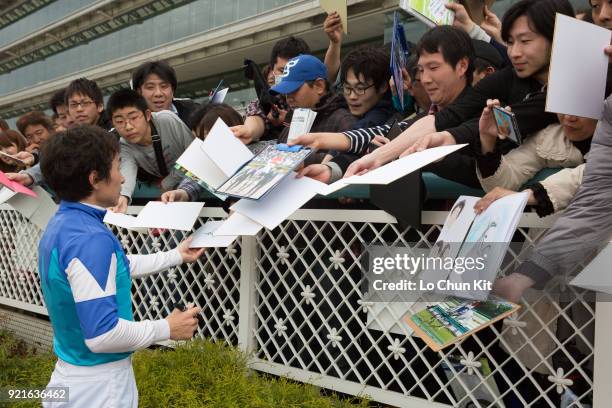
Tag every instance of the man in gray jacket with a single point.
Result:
(581, 230)
(150, 143)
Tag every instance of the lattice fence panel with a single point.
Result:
(311, 315)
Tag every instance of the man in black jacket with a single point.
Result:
(446, 76)
(156, 82)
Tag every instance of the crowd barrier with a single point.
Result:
(291, 299)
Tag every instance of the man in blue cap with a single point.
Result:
(304, 82)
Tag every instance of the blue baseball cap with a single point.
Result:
(297, 71)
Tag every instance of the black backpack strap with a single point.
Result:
(159, 153)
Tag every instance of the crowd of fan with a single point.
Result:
(453, 79)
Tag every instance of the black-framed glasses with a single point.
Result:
(359, 90)
(84, 104)
(121, 122)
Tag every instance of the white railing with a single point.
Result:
(291, 298)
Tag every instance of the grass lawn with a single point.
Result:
(197, 374)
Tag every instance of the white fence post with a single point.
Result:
(248, 294)
(602, 353)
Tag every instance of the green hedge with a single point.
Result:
(198, 374)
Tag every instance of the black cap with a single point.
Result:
(489, 53)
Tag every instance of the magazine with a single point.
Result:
(263, 172)
(430, 12)
(226, 167)
(447, 322)
(399, 57)
(218, 94)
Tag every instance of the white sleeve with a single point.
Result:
(130, 336)
(143, 265)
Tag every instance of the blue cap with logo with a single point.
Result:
(297, 71)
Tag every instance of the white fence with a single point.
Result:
(292, 299)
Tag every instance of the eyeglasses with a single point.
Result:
(359, 90)
(83, 104)
(121, 122)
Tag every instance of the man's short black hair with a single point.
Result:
(125, 98)
(288, 48)
(540, 15)
(85, 87)
(371, 62)
(68, 158)
(160, 68)
(454, 45)
(58, 99)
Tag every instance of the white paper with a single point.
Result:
(204, 237)
(6, 194)
(238, 224)
(195, 160)
(123, 221)
(225, 149)
(37, 210)
(219, 96)
(333, 187)
(177, 216)
(578, 69)
(301, 122)
(280, 203)
(46, 208)
(596, 275)
(401, 167)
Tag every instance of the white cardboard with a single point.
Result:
(238, 224)
(281, 202)
(399, 168)
(177, 216)
(225, 149)
(578, 69)
(204, 237)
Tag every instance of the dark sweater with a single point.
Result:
(525, 96)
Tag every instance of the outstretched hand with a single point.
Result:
(189, 254)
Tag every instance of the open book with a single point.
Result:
(430, 12)
(226, 167)
(471, 247)
(447, 322)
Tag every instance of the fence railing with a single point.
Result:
(292, 299)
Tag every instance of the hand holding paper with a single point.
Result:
(15, 186)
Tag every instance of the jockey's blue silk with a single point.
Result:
(87, 299)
